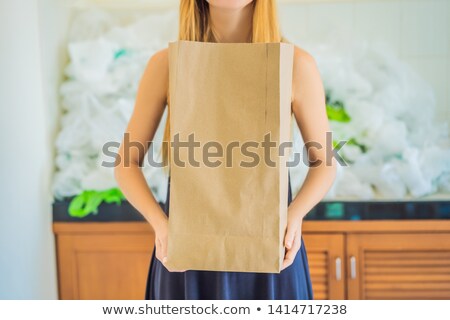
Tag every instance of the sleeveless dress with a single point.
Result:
(292, 283)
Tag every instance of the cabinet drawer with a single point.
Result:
(326, 264)
(398, 266)
(103, 266)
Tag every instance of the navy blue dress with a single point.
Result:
(293, 283)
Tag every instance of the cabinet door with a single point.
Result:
(103, 266)
(326, 264)
(399, 266)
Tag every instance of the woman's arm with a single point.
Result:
(149, 106)
(310, 113)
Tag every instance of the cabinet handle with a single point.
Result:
(352, 267)
(338, 268)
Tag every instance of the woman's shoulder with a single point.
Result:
(305, 66)
(156, 73)
(305, 71)
(159, 59)
(302, 58)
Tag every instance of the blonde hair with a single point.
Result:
(194, 25)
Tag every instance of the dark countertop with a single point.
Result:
(327, 210)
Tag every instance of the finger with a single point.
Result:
(288, 259)
(286, 263)
(158, 250)
(290, 255)
(298, 239)
(289, 237)
(164, 250)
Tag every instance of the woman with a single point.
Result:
(228, 21)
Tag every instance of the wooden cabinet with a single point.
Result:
(326, 266)
(384, 259)
(398, 266)
(379, 259)
(103, 260)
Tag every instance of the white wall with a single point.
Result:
(27, 121)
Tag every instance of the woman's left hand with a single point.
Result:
(292, 238)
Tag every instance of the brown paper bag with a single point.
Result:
(225, 215)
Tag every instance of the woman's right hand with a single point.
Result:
(161, 236)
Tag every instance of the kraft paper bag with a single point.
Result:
(228, 211)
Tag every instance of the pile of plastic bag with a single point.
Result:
(107, 59)
(391, 111)
(405, 149)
